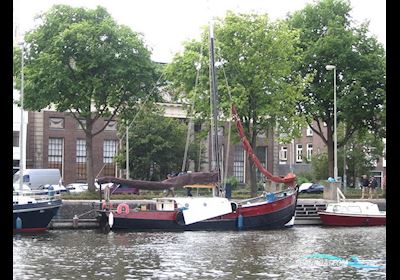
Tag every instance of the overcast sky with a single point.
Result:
(165, 24)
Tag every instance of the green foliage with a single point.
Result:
(320, 166)
(80, 60)
(256, 57)
(304, 177)
(327, 36)
(156, 144)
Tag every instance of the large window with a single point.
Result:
(261, 153)
(299, 153)
(81, 159)
(55, 153)
(309, 151)
(283, 153)
(109, 152)
(238, 163)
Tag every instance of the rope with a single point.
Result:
(198, 67)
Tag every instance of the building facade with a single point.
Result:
(56, 140)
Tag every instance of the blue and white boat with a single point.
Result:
(33, 211)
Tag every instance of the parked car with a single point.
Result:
(304, 186)
(57, 188)
(75, 188)
(314, 188)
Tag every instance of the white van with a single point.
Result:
(34, 178)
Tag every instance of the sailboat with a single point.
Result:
(32, 210)
(271, 210)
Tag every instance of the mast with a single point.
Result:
(214, 106)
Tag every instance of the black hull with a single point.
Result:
(275, 220)
(34, 217)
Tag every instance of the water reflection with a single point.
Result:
(89, 254)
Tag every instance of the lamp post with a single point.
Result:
(335, 170)
(21, 132)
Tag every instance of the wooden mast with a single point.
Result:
(214, 109)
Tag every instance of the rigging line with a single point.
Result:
(134, 118)
(198, 66)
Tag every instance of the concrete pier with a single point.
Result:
(81, 214)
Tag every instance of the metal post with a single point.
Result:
(127, 151)
(21, 132)
(335, 169)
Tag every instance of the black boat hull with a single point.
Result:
(34, 217)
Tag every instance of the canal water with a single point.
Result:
(300, 252)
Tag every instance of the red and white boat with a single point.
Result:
(361, 213)
(267, 211)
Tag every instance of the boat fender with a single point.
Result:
(111, 219)
(240, 221)
(123, 208)
(18, 223)
(179, 218)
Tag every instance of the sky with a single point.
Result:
(166, 24)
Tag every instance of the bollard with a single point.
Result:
(75, 221)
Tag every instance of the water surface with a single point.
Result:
(273, 254)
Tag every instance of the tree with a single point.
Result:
(256, 56)
(328, 37)
(156, 144)
(81, 61)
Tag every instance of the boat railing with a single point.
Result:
(269, 196)
(339, 195)
(38, 195)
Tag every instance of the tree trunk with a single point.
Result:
(89, 155)
(253, 173)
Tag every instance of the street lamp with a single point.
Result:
(335, 170)
(21, 132)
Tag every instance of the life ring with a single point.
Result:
(123, 208)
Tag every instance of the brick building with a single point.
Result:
(55, 140)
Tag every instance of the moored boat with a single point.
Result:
(361, 213)
(33, 212)
(268, 211)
